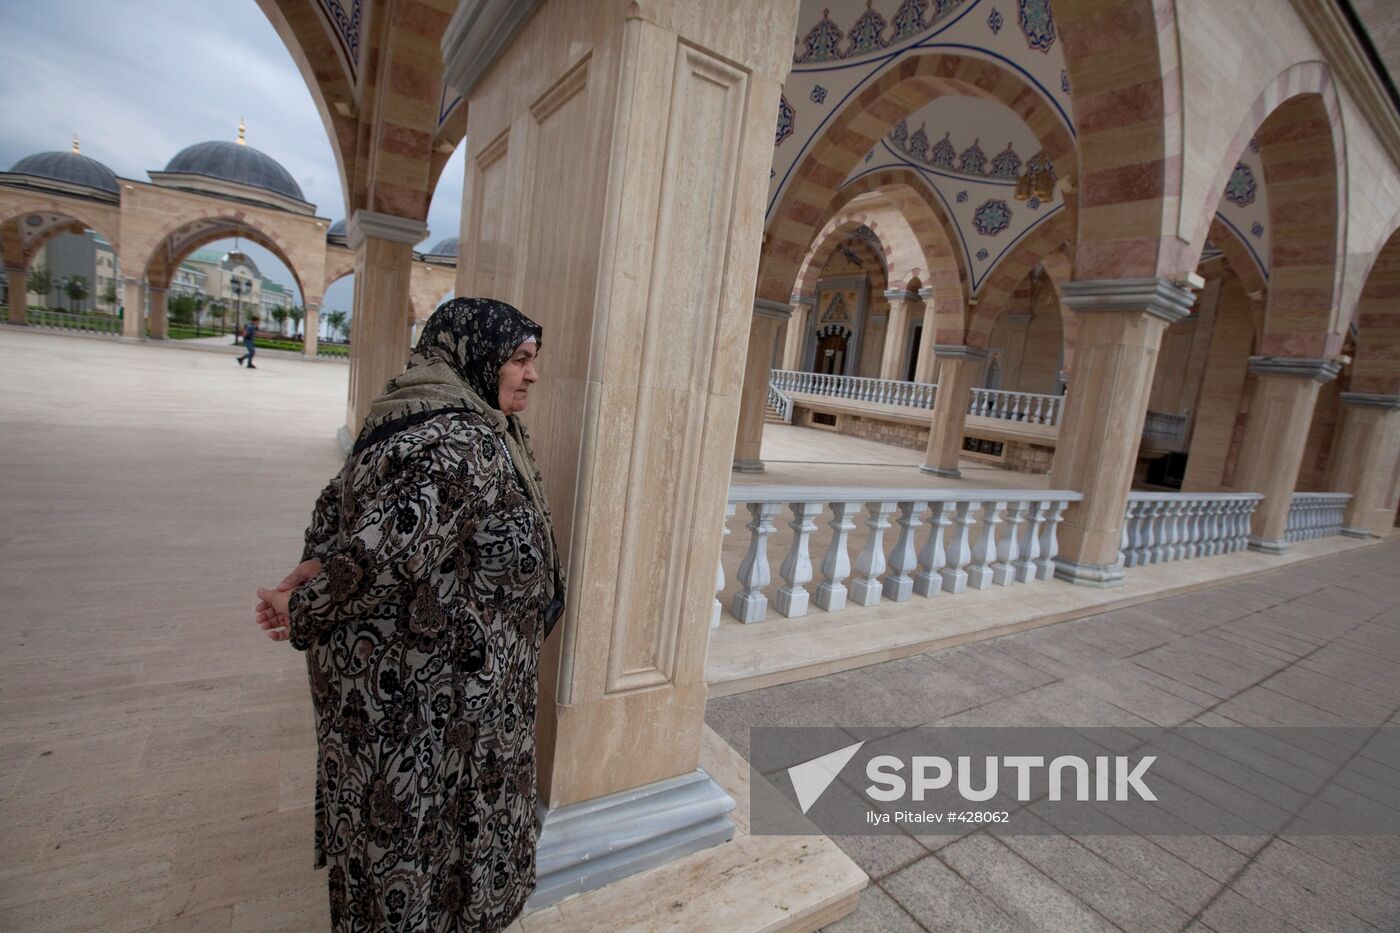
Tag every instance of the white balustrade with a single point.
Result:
(933, 550)
(1159, 527)
(1028, 407)
(718, 609)
(781, 402)
(855, 388)
(1316, 515)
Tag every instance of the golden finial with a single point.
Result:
(241, 129)
(76, 150)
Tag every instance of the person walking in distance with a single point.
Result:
(250, 330)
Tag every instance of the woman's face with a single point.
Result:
(517, 375)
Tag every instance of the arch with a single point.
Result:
(338, 267)
(1376, 368)
(867, 117)
(996, 291)
(12, 246)
(1242, 264)
(168, 248)
(837, 230)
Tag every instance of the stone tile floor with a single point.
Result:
(1312, 644)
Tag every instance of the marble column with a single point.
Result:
(616, 172)
(1119, 332)
(798, 326)
(904, 306)
(18, 279)
(160, 325)
(768, 316)
(926, 370)
(957, 366)
(309, 323)
(133, 309)
(1017, 323)
(1366, 462)
(1275, 434)
(1217, 405)
(383, 245)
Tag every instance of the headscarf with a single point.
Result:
(456, 365)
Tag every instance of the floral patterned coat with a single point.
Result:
(422, 635)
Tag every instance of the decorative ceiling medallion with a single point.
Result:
(995, 21)
(787, 117)
(1037, 24)
(1241, 187)
(992, 217)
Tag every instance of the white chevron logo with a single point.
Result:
(811, 778)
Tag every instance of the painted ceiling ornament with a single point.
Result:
(1037, 23)
(1241, 187)
(982, 254)
(909, 19)
(1257, 229)
(822, 42)
(1033, 204)
(1064, 80)
(837, 311)
(962, 196)
(1253, 144)
(868, 34)
(818, 94)
(943, 154)
(787, 118)
(1041, 163)
(995, 20)
(899, 136)
(1006, 164)
(992, 217)
(918, 144)
(972, 160)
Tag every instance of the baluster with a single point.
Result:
(959, 553)
(1171, 528)
(932, 559)
(1127, 545)
(865, 585)
(797, 566)
(1207, 528)
(754, 574)
(899, 582)
(1156, 534)
(718, 608)
(979, 572)
(1033, 415)
(1196, 523)
(1009, 548)
(1030, 541)
(836, 566)
(1023, 408)
(1049, 542)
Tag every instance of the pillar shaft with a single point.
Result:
(19, 294)
(383, 246)
(1366, 462)
(768, 316)
(1222, 390)
(797, 328)
(904, 306)
(957, 366)
(1119, 332)
(926, 369)
(310, 322)
(133, 309)
(160, 328)
(1276, 433)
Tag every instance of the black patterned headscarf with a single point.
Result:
(476, 337)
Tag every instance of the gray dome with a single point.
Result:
(447, 247)
(237, 163)
(69, 167)
(337, 229)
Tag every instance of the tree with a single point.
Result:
(280, 316)
(296, 313)
(76, 288)
(335, 321)
(40, 283)
(182, 308)
(109, 295)
(218, 308)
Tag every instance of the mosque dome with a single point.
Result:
(445, 248)
(337, 230)
(70, 168)
(236, 162)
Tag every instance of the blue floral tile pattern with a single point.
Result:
(1006, 164)
(868, 34)
(992, 217)
(1037, 24)
(972, 160)
(1257, 229)
(995, 20)
(786, 119)
(962, 197)
(1241, 187)
(982, 254)
(818, 94)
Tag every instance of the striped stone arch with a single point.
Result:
(1376, 368)
(867, 117)
(994, 297)
(338, 266)
(841, 228)
(158, 262)
(1242, 264)
(11, 243)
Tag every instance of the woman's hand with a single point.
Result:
(271, 610)
(304, 571)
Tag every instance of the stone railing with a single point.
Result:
(1030, 407)
(1165, 428)
(780, 403)
(1315, 515)
(976, 538)
(1164, 526)
(856, 388)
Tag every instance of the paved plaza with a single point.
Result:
(156, 750)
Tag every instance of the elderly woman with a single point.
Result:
(428, 583)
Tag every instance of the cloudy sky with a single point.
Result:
(139, 81)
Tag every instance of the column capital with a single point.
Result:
(808, 300)
(773, 310)
(475, 37)
(311, 304)
(363, 225)
(955, 351)
(1371, 400)
(1158, 297)
(1017, 317)
(901, 294)
(1318, 370)
(926, 293)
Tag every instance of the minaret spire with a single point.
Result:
(76, 149)
(241, 129)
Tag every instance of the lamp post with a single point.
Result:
(240, 286)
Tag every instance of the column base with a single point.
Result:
(1266, 546)
(1102, 576)
(1362, 533)
(587, 845)
(954, 473)
(748, 466)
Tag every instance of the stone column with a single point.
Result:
(903, 306)
(1217, 405)
(1119, 332)
(383, 245)
(798, 326)
(1017, 324)
(616, 173)
(927, 368)
(957, 366)
(310, 323)
(133, 309)
(1366, 463)
(160, 325)
(768, 316)
(1275, 434)
(18, 277)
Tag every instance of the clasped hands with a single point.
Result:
(271, 610)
